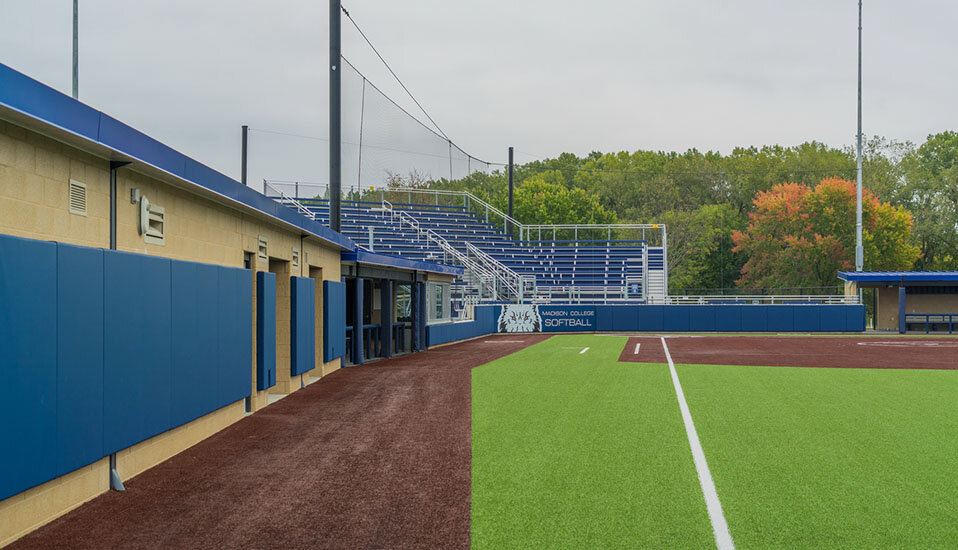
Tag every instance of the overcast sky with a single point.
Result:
(545, 76)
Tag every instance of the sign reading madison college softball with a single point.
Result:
(531, 318)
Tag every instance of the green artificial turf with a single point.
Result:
(830, 458)
(580, 451)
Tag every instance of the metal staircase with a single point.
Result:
(485, 277)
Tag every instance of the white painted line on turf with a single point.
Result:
(583, 350)
(723, 538)
(637, 346)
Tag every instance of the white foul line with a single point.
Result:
(583, 351)
(723, 539)
(637, 346)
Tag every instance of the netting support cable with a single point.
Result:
(416, 101)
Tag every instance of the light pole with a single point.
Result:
(859, 247)
(335, 114)
(76, 51)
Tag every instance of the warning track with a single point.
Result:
(376, 456)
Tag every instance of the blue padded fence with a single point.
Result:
(104, 349)
(484, 323)
(302, 326)
(662, 318)
(334, 320)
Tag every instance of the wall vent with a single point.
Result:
(156, 231)
(262, 251)
(295, 256)
(77, 198)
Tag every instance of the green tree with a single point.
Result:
(695, 241)
(541, 200)
(930, 191)
(799, 236)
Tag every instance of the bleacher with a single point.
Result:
(552, 264)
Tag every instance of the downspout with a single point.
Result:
(114, 166)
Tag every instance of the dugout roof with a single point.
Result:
(900, 278)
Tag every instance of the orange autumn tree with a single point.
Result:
(800, 236)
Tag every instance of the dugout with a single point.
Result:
(389, 302)
(925, 301)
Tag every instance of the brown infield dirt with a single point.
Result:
(873, 352)
(376, 456)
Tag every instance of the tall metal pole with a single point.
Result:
(335, 118)
(76, 50)
(510, 188)
(244, 154)
(859, 247)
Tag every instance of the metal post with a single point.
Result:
(244, 155)
(296, 190)
(902, 310)
(510, 189)
(386, 316)
(859, 247)
(76, 50)
(335, 114)
(665, 258)
(358, 322)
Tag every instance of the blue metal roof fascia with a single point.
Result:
(898, 276)
(41, 103)
(385, 260)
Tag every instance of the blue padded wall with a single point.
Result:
(484, 322)
(781, 318)
(334, 320)
(137, 378)
(807, 318)
(235, 337)
(702, 319)
(79, 357)
(194, 325)
(265, 330)
(28, 361)
(104, 349)
(302, 309)
(728, 318)
(754, 318)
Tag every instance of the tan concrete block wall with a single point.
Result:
(914, 303)
(22, 513)
(35, 174)
(146, 454)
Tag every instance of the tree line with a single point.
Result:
(770, 216)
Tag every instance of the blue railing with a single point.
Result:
(931, 319)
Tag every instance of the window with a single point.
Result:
(77, 198)
(156, 228)
(438, 304)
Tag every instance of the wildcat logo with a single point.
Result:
(519, 318)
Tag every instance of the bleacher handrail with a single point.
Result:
(758, 299)
(515, 282)
(286, 199)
